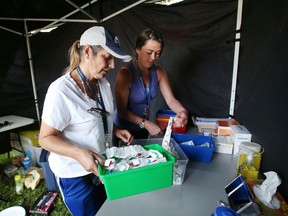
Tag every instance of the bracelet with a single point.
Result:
(142, 124)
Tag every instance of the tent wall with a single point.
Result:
(198, 56)
(262, 82)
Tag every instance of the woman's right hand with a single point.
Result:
(89, 160)
(152, 128)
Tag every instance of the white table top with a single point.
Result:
(14, 122)
(199, 194)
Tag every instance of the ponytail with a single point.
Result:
(74, 56)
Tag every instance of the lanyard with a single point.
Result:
(98, 96)
(146, 91)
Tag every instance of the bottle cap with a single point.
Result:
(18, 177)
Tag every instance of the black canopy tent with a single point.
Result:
(57, 22)
(129, 5)
(198, 55)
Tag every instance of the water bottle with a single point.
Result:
(19, 184)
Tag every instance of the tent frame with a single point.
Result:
(236, 57)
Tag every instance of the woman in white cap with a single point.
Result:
(77, 120)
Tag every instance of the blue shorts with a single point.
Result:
(81, 195)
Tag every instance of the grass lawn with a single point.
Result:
(28, 197)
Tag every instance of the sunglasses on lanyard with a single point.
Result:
(98, 112)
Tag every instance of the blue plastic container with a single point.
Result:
(239, 195)
(225, 211)
(196, 152)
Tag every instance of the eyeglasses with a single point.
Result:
(5, 123)
(98, 112)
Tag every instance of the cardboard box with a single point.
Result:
(239, 133)
(203, 123)
(139, 180)
(196, 152)
(223, 144)
(224, 126)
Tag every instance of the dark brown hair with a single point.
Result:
(146, 35)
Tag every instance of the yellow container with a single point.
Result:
(256, 159)
(32, 135)
(249, 159)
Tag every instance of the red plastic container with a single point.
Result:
(162, 119)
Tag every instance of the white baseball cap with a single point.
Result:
(98, 35)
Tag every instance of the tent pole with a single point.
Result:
(44, 20)
(10, 30)
(122, 10)
(64, 17)
(32, 71)
(83, 11)
(236, 57)
(110, 16)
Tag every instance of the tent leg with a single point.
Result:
(236, 57)
(32, 71)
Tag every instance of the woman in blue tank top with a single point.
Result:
(137, 84)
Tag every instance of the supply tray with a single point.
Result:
(196, 152)
(139, 180)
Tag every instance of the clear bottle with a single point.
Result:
(19, 184)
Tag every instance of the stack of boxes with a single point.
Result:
(223, 144)
(232, 138)
(227, 133)
(239, 133)
(229, 143)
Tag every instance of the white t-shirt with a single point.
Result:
(65, 109)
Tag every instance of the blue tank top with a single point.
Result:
(137, 98)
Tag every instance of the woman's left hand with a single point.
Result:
(124, 135)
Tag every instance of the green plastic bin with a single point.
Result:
(139, 180)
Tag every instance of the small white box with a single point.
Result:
(224, 126)
(239, 133)
(223, 144)
(205, 123)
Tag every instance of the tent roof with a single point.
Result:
(38, 14)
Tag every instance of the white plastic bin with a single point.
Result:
(181, 158)
(35, 151)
